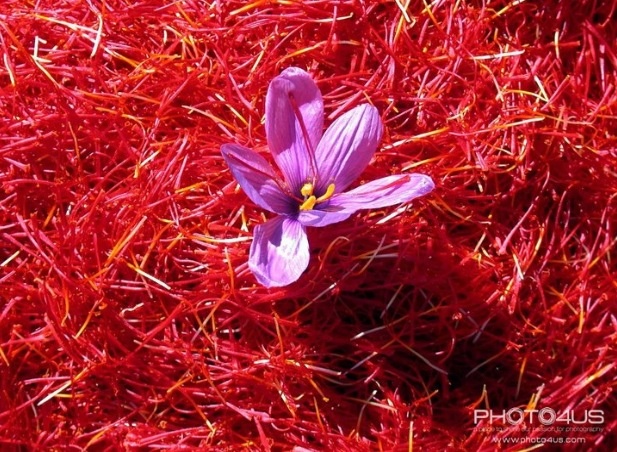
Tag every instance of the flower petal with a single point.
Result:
(347, 147)
(257, 178)
(323, 217)
(384, 192)
(285, 132)
(279, 252)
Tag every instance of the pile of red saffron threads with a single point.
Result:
(128, 316)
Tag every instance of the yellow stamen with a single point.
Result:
(328, 194)
(310, 199)
(307, 189)
(309, 203)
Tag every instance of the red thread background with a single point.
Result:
(128, 317)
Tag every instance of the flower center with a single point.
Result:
(310, 199)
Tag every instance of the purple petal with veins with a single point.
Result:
(279, 253)
(323, 216)
(257, 179)
(348, 146)
(294, 124)
(384, 192)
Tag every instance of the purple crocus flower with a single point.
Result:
(316, 169)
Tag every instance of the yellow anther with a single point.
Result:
(307, 189)
(309, 203)
(328, 194)
(310, 199)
